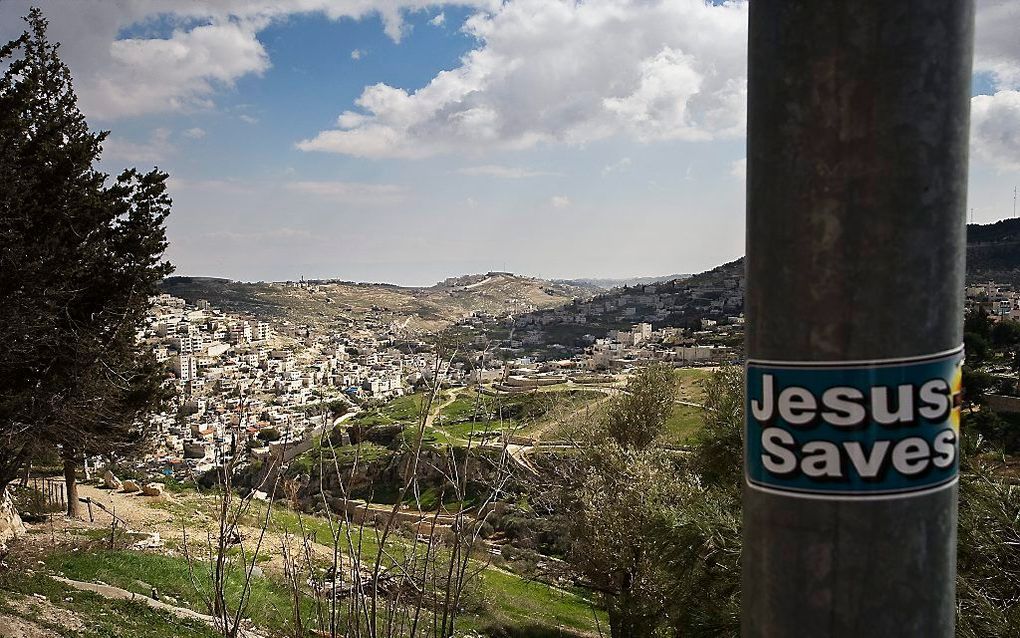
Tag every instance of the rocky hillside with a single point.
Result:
(993, 252)
(717, 294)
(335, 302)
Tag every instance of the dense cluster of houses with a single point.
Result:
(998, 300)
(243, 383)
(689, 303)
(642, 344)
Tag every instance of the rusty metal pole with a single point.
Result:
(858, 115)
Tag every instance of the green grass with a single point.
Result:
(138, 572)
(564, 412)
(462, 409)
(503, 601)
(462, 431)
(684, 423)
(405, 408)
(365, 451)
(508, 602)
(103, 617)
(691, 379)
(512, 602)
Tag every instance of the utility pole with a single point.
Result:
(858, 117)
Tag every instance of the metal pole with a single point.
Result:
(858, 115)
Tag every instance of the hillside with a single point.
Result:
(79, 578)
(717, 294)
(993, 252)
(333, 302)
(609, 284)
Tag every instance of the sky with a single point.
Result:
(409, 141)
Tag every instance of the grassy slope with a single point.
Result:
(685, 421)
(501, 601)
(21, 596)
(134, 571)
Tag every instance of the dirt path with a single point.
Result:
(437, 410)
(136, 510)
(168, 515)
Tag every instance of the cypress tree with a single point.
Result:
(81, 253)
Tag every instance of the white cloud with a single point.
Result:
(996, 41)
(995, 129)
(543, 71)
(439, 20)
(995, 119)
(212, 45)
(356, 54)
(350, 192)
(623, 164)
(505, 172)
(248, 119)
(152, 151)
(180, 73)
(195, 133)
(738, 169)
(565, 72)
(559, 201)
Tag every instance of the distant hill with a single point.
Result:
(609, 284)
(993, 252)
(336, 302)
(716, 294)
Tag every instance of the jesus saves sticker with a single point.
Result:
(873, 429)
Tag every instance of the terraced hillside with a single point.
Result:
(334, 302)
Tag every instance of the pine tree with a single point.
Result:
(80, 256)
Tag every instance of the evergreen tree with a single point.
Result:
(80, 255)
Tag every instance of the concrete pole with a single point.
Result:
(858, 115)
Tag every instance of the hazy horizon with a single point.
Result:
(433, 283)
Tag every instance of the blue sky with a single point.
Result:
(408, 141)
